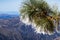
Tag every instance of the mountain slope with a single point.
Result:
(13, 29)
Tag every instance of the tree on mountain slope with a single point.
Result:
(40, 14)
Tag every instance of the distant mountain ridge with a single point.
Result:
(7, 15)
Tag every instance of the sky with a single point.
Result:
(9, 5)
(53, 3)
(13, 5)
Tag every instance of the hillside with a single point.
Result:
(12, 28)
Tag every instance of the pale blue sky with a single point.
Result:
(10, 5)
(56, 3)
(13, 5)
